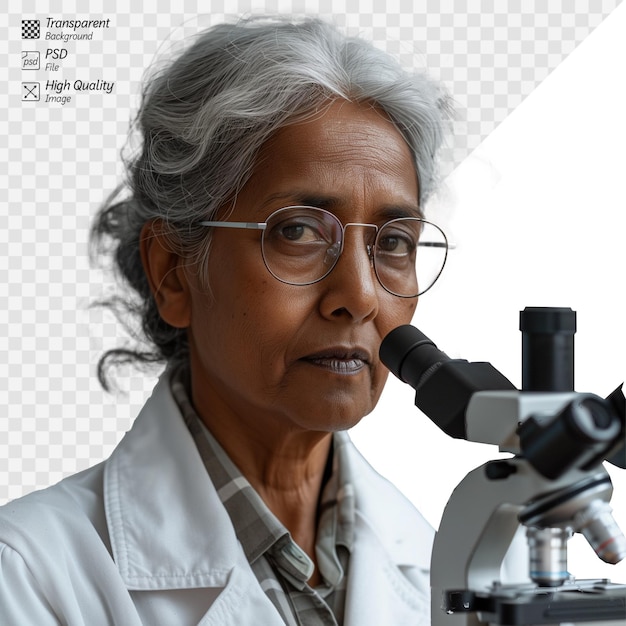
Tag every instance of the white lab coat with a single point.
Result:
(144, 539)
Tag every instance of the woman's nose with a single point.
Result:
(352, 289)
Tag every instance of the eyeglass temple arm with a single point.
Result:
(436, 244)
(250, 225)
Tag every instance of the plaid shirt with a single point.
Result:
(279, 564)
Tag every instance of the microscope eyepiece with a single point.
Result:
(547, 348)
(410, 354)
(443, 386)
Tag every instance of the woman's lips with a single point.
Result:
(339, 362)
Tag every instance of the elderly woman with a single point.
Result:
(273, 235)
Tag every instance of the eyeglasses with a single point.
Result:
(301, 245)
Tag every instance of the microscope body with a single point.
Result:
(552, 485)
(484, 516)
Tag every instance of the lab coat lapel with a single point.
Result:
(156, 480)
(379, 590)
(242, 602)
(388, 581)
(167, 527)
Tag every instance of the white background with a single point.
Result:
(539, 217)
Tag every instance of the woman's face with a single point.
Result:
(304, 357)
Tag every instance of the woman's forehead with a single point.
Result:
(349, 141)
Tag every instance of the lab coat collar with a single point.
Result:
(155, 479)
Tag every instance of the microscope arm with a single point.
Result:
(477, 528)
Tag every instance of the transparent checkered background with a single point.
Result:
(57, 164)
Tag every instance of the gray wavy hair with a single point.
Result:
(202, 120)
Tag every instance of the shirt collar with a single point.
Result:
(256, 527)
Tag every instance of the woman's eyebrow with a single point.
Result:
(305, 198)
(397, 211)
(329, 202)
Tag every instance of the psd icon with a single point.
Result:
(30, 60)
(30, 29)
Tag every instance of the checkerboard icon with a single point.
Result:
(30, 29)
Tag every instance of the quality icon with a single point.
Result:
(30, 92)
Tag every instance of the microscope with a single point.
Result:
(554, 483)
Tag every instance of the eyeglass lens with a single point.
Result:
(301, 245)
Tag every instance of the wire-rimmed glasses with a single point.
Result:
(302, 244)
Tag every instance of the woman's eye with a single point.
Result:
(293, 233)
(395, 244)
(299, 232)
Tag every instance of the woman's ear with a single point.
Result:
(166, 275)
